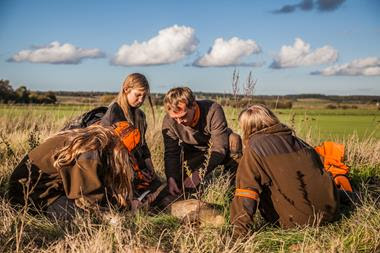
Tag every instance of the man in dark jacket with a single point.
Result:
(281, 175)
(196, 137)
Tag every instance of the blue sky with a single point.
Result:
(291, 47)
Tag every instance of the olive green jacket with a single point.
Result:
(36, 175)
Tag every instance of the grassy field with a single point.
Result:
(22, 127)
(323, 123)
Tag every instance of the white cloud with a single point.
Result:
(369, 66)
(300, 54)
(170, 45)
(56, 53)
(228, 53)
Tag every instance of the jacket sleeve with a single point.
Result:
(113, 115)
(219, 137)
(172, 153)
(248, 189)
(82, 180)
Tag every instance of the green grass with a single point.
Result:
(332, 125)
(325, 124)
(57, 111)
(356, 231)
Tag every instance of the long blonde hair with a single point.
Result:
(119, 174)
(133, 81)
(256, 118)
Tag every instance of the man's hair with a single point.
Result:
(178, 95)
(256, 118)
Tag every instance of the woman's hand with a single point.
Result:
(150, 173)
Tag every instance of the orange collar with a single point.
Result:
(197, 115)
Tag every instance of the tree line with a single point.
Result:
(24, 96)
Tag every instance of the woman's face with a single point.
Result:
(136, 97)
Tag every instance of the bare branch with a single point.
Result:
(249, 86)
(235, 83)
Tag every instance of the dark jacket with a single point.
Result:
(137, 117)
(285, 178)
(211, 128)
(141, 152)
(84, 178)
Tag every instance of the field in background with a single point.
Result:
(22, 127)
(323, 123)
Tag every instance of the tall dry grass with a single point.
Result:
(356, 231)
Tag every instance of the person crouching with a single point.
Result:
(86, 168)
(279, 174)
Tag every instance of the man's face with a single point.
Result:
(184, 115)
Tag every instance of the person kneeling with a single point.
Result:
(87, 168)
(280, 175)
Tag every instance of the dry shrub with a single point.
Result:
(106, 99)
(362, 152)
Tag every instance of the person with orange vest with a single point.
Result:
(280, 175)
(84, 168)
(126, 108)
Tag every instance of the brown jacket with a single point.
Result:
(212, 127)
(285, 177)
(85, 178)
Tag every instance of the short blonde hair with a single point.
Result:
(256, 118)
(178, 95)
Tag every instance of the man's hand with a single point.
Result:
(135, 205)
(193, 181)
(173, 188)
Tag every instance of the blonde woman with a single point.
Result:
(126, 106)
(86, 168)
(280, 175)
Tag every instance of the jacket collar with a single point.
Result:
(279, 128)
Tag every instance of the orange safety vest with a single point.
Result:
(332, 155)
(131, 136)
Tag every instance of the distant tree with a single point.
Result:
(42, 98)
(6, 91)
(22, 95)
(50, 97)
(34, 97)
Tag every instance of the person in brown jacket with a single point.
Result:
(194, 130)
(85, 168)
(126, 108)
(280, 175)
